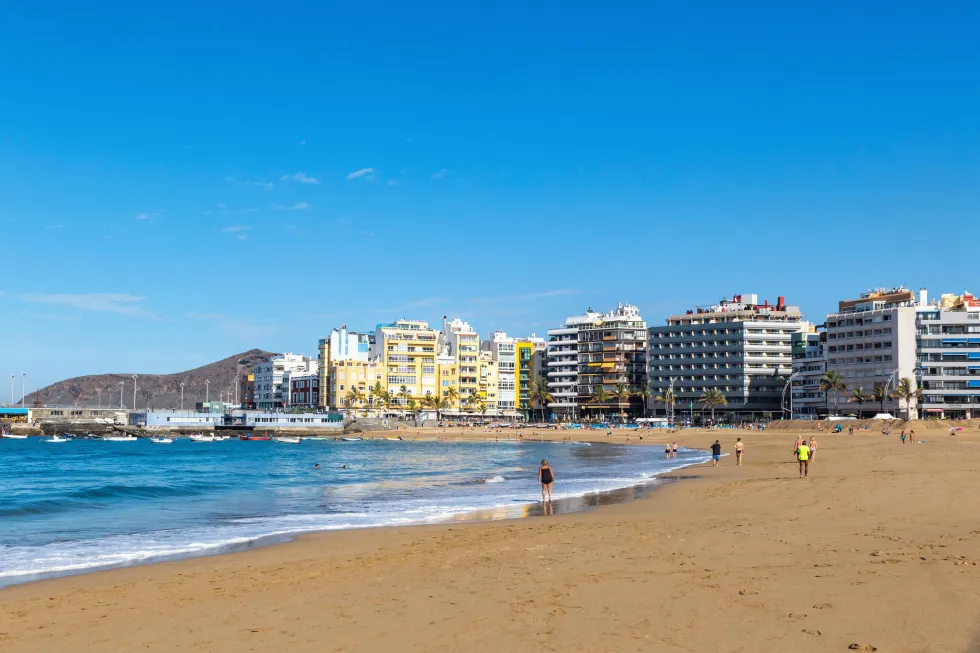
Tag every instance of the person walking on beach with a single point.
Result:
(546, 477)
(673, 449)
(739, 447)
(715, 453)
(803, 454)
(903, 437)
(813, 448)
(799, 442)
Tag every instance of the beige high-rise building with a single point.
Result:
(345, 375)
(406, 352)
(488, 381)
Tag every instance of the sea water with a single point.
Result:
(87, 504)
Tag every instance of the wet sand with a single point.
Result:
(877, 548)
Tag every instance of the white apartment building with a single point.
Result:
(502, 349)
(871, 342)
(272, 379)
(948, 356)
(458, 340)
(562, 358)
(739, 346)
(809, 368)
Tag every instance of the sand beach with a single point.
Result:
(877, 549)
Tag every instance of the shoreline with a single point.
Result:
(876, 548)
(503, 512)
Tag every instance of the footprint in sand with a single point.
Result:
(822, 606)
(862, 647)
(793, 615)
(811, 632)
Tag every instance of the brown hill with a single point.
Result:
(153, 390)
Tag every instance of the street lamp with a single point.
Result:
(182, 395)
(12, 377)
(673, 400)
(121, 385)
(23, 384)
(782, 401)
(135, 376)
(207, 391)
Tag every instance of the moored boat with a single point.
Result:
(161, 441)
(286, 440)
(119, 438)
(200, 437)
(255, 438)
(11, 436)
(351, 439)
(55, 438)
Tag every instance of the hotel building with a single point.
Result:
(809, 367)
(612, 350)
(562, 365)
(871, 342)
(948, 356)
(346, 375)
(406, 350)
(503, 351)
(739, 346)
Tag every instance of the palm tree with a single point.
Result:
(622, 393)
(538, 394)
(600, 396)
(382, 400)
(474, 401)
(435, 403)
(413, 407)
(450, 396)
(858, 397)
(644, 393)
(880, 395)
(483, 409)
(833, 382)
(907, 392)
(404, 395)
(354, 397)
(712, 398)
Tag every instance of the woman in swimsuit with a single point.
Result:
(667, 452)
(546, 477)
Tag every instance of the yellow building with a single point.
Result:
(448, 377)
(346, 375)
(459, 340)
(406, 353)
(488, 381)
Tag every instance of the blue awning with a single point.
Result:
(954, 341)
(974, 357)
(973, 384)
(974, 341)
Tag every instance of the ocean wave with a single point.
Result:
(495, 479)
(115, 491)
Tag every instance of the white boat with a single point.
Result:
(161, 441)
(198, 437)
(57, 439)
(394, 439)
(288, 440)
(351, 439)
(10, 436)
(120, 438)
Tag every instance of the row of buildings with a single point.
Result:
(763, 358)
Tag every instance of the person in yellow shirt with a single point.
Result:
(803, 455)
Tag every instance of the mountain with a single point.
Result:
(154, 390)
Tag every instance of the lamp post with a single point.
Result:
(782, 401)
(673, 400)
(23, 384)
(207, 391)
(12, 377)
(182, 395)
(135, 376)
(122, 384)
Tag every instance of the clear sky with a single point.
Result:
(180, 181)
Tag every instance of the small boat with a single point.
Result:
(351, 439)
(199, 437)
(161, 441)
(119, 438)
(255, 438)
(288, 440)
(55, 438)
(11, 436)
(394, 439)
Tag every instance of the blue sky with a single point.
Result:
(182, 181)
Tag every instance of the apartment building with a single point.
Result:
(407, 352)
(304, 391)
(503, 351)
(340, 345)
(459, 340)
(489, 382)
(272, 378)
(612, 349)
(739, 346)
(562, 365)
(948, 356)
(809, 368)
(345, 375)
(527, 352)
(871, 342)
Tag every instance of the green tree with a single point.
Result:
(599, 397)
(538, 394)
(644, 393)
(858, 397)
(413, 408)
(403, 395)
(668, 399)
(880, 394)
(907, 392)
(436, 403)
(354, 397)
(622, 393)
(833, 382)
(450, 396)
(712, 398)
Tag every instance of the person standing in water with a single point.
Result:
(739, 447)
(803, 454)
(667, 451)
(673, 448)
(546, 477)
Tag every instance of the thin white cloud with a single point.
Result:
(234, 326)
(148, 217)
(235, 228)
(392, 182)
(258, 183)
(298, 206)
(440, 174)
(300, 178)
(301, 143)
(366, 234)
(119, 303)
(54, 227)
(224, 210)
(365, 173)
(242, 237)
